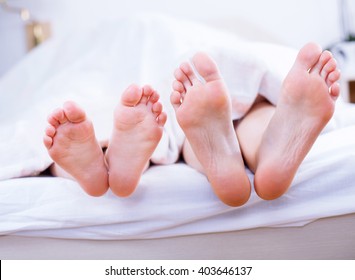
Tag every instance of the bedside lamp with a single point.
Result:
(36, 32)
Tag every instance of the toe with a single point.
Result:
(333, 77)
(182, 78)
(161, 119)
(157, 108)
(334, 90)
(308, 56)
(175, 99)
(47, 141)
(154, 97)
(329, 67)
(189, 72)
(147, 92)
(50, 130)
(131, 96)
(73, 112)
(57, 117)
(178, 86)
(48, 136)
(205, 67)
(321, 63)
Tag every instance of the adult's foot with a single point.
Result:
(138, 128)
(71, 143)
(203, 110)
(305, 106)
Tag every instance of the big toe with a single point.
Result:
(73, 112)
(308, 56)
(206, 66)
(131, 96)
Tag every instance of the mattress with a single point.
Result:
(317, 240)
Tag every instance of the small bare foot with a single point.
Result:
(305, 106)
(71, 143)
(203, 110)
(138, 128)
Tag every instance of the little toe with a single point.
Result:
(334, 90)
(50, 132)
(131, 96)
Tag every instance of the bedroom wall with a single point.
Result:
(292, 22)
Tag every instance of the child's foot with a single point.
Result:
(203, 110)
(305, 106)
(138, 128)
(71, 143)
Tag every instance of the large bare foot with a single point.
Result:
(71, 143)
(138, 128)
(305, 106)
(203, 110)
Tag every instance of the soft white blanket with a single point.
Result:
(175, 200)
(95, 65)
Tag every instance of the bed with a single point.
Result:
(174, 213)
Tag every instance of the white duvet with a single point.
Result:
(93, 67)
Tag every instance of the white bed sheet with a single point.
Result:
(175, 200)
(171, 200)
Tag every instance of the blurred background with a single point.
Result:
(292, 22)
